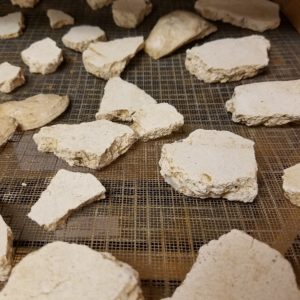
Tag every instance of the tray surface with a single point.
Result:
(144, 221)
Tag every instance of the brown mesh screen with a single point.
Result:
(144, 221)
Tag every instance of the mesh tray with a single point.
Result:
(144, 221)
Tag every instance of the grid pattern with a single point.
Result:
(144, 221)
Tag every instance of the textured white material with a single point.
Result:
(11, 25)
(43, 56)
(229, 59)
(92, 144)
(237, 266)
(59, 19)
(6, 250)
(175, 30)
(67, 192)
(11, 77)
(8, 126)
(109, 59)
(78, 38)
(97, 4)
(36, 111)
(25, 3)
(156, 120)
(211, 164)
(121, 100)
(62, 271)
(258, 15)
(130, 13)
(267, 103)
(291, 184)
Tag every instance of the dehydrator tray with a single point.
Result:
(143, 221)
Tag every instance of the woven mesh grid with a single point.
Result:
(144, 221)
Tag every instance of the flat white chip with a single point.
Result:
(8, 127)
(258, 15)
(130, 13)
(175, 30)
(229, 59)
(43, 56)
(97, 4)
(109, 59)
(6, 250)
(156, 120)
(266, 103)
(11, 25)
(92, 144)
(124, 101)
(237, 266)
(291, 184)
(11, 77)
(64, 271)
(36, 111)
(121, 100)
(67, 192)
(211, 164)
(59, 19)
(78, 38)
(25, 3)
